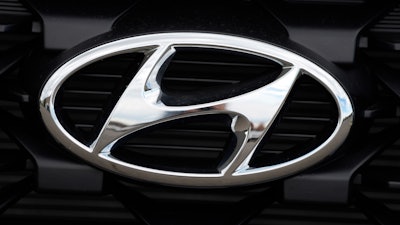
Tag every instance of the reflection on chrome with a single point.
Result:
(141, 106)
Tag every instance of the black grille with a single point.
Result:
(13, 7)
(307, 119)
(380, 180)
(388, 23)
(378, 183)
(88, 96)
(288, 214)
(197, 144)
(203, 75)
(16, 42)
(384, 33)
(13, 159)
(36, 208)
(14, 17)
(16, 165)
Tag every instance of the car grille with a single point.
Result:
(197, 144)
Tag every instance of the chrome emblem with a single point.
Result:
(141, 106)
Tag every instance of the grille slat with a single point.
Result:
(184, 152)
(7, 7)
(84, 92)
(307, 118)
(238, 64)
(99, 75)
(190, 148)
(200, 80)
(305, 136)
(81, 108)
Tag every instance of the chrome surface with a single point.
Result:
(141, 106)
